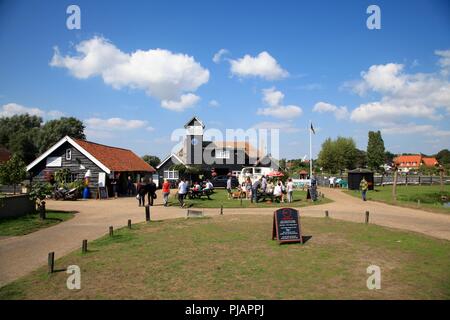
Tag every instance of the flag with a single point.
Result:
(312, 129)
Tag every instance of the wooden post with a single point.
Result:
(111, 231)
(367, 216)
(221, 210)
(418, 202)
(441, 176)
(326, 214)
(51, 262)
(42, 214)
(147, 213)
(84, 246)
(394, 184)
(129, 223)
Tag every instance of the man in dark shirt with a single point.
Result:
(255, 187)
(151, 191)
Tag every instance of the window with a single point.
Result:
(171, 174)
(54, 162)
(222, 154)
(68, 154)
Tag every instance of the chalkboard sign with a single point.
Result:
(102, 193)
(286, 226)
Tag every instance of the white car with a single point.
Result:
(253, 172)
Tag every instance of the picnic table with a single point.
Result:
(263, 195)
(192, 193)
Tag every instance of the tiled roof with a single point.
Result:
(430, 162)
(408, 161)
(116, 159)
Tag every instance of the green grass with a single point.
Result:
(30, 223)
(233, 257)
(220, 197)
(429, 196)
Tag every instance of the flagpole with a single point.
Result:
(310, 149)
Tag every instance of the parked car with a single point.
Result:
(221, 182)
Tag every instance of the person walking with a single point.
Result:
(166, 192)
(182, 191)
(290, 190)
(229, 187)
(364, 186)
(263, 184)
(151, 191)
(141, 191)
(129, 187)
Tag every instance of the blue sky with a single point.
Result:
(137, 70)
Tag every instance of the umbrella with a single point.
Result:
(275, 174)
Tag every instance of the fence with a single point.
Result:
(388, 180)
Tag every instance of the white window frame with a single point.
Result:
(171, 174)
(69, 152)
(222, 154)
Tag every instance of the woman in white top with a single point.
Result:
(290, 190)
(277, 191)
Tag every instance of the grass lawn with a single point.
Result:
(233, 257)
(220, 197)
(429, 196)
(31, 222)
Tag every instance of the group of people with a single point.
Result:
(145, 188)
(197, 187)
(280, 191)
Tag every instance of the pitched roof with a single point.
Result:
(404, 160)
(116, 159)
(430, 161)
(247, 146)
(105, 157)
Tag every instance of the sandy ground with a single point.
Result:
(21, 255)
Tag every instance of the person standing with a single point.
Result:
(263, 184)
(182, 190)
(141, 191)
(151, 191)
(364, 186)
(255, 186)
(166, 192)
(129, 187)
(114, 187)
(290, 190)
(229, 187)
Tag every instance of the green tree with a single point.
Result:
(338, 155)
(54, 130)
(40, 192)
(443, 157)
(375, 150)
(361, 159)
(151, 160)
(13, 171)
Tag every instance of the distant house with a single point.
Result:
(226, 156)
(408, 163)
(83, 158)
(5, 155)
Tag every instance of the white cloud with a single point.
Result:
(169, 77)
(114, 124)
(11, 109)
(339, 112)
(263, 66)
(186, 101)
(218, 55)
(444, 61)
(287, 127)
(403, 95)
(274, 99)
(412, 128)
(214, 103)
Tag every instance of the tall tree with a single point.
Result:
(443, 156)
(375, 150)
(151, 160)
(54, 130)
(338, 155)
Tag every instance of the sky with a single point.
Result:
(137, 70)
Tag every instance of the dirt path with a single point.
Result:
(21, 255)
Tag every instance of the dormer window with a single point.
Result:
(68, 154)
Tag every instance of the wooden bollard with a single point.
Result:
(221, 210)
(326, 213)
(147, 213)
(84, 246)
(418, 202)
(111, 231)
(367, 216)
(51, 262)
(129, 223)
